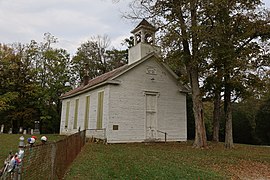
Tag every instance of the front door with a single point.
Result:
(151, 116)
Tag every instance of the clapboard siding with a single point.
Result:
(140, 98)
(81, 111)
(127, 105)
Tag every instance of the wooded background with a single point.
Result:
(219, 48)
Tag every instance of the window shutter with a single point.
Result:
(67, 114)
(100, 110)
(87, 109)
(76, 114)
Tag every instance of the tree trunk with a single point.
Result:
(228, 117)
(216, 116)
(192, 66)
(200, 133)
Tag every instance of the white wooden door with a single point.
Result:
(151, 116)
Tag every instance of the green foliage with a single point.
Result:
(250, 121)
(223, 42)
(235, 49)
(17, 88)
(33, 77)
(95, 57)
(263, 123)
(208, 118)
(58, 72)
(244, 121)
(6, 99)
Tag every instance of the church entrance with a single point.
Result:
(151, 116)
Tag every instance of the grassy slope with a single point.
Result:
(159, 161)
(10, 142)
(169, 161)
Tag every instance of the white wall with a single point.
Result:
(141, 50)
(81, 111)
(127, 105)
(124, 105)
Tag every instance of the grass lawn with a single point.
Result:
(170, 161)
(10, 142)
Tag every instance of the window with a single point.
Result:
(76, 114)
(87, 109)
(100, 110)
(67, 114)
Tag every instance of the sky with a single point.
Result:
(72, 22)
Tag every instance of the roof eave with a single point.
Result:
(113, 82)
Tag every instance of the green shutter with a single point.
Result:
(76, 114)
(87, 109)
(67, 114)
(100, 110)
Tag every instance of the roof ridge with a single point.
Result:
(109, 72)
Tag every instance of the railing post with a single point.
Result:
(53, 160)
(20, 157)
(105, 137)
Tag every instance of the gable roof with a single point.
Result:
(93, 82)
(108, 78)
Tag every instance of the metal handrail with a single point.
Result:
(165, 133)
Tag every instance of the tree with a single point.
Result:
(52, 69)
(244, 120)
(17, 88)
(99, 59)
(182, 34)
(6, 98)
(263, 123)
(234, 27)
(212, 34)
(58, 73)
(33, 77)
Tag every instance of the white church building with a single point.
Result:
(138, 102)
